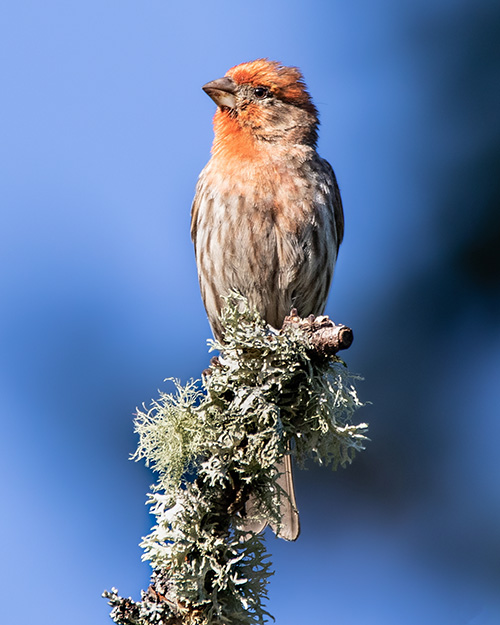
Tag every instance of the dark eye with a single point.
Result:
(261, 92)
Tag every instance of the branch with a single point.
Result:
(326, 338)
(266, 392)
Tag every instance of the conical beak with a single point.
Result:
(222, 91)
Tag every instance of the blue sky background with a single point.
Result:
(103, 131)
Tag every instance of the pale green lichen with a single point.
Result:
(221, 436)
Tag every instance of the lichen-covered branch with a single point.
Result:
(216, 443)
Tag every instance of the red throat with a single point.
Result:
(231, 139)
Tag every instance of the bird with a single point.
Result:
(267, 217)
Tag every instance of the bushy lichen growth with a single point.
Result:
(212, 445)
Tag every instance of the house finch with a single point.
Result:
(267, 217)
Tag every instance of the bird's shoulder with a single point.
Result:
(332, 194)
(204, 194)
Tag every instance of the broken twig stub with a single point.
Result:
(325, 337)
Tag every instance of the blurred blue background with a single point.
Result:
(103, 131)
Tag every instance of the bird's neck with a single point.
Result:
(234, 142)
(236, 147)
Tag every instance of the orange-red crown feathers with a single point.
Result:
(287, 83)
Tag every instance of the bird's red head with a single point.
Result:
(266, 101)
(285, 83)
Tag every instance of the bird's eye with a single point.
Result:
(261, 92)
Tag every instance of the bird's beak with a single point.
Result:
(222, 91)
